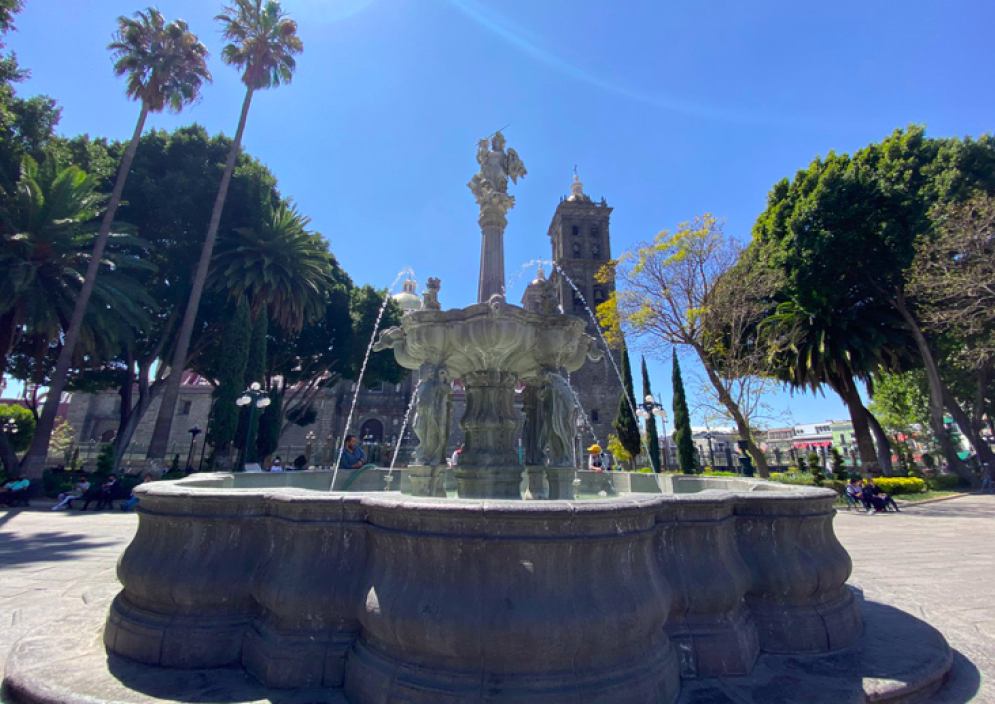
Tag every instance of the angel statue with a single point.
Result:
(496, 167)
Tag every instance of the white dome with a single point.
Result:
(408, 299)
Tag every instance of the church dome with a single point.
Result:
(408, 299)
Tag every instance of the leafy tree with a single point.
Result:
(13, 442)
(652, 438)
(625, 423)
(231, 384)
(838, 464)
(618, 450)
(801, 464)
(667, 292)
(263, 42)
(279, 264)
(683, 439)
(166, 66)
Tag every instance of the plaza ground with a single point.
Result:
(935, 561)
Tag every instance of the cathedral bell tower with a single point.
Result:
(581, 244)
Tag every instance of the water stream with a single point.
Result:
(362, 371)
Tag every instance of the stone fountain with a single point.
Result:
(493, 347)
(678, 589)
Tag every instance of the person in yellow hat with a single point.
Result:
(596, 462)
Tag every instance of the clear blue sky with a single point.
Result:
(670, 109)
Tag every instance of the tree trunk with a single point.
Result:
(936, 389)
(126, 392)
(7, 329)
(34, 460)
(847, 389)
(742, 424)
(964, 423)
(884, 448)
(164, 422)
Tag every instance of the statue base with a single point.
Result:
(489, 482)
(427, 480)
(561, 483)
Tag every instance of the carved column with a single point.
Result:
(488, 467)
(492, 223)
(530, 440)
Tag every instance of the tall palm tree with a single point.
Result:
(165, 65)
(280, 265)
(837, 348)
(48, 236)
(262, 44)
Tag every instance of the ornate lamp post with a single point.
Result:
(194, 432)
(711, 452)
(10, 426)
(258, 398)
(648, 409)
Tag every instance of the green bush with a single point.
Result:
(900, 485)
(837, 485)
(645, 470)
(54, 483)
(105, 460)
(943, 482)
(171, 476)
(25, 422)
(721, 474)
(799, 478)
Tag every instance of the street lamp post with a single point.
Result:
(10, 426)
(310, 437)
(194, 432)
(578, 442)
(649, 409)
(711, 452)
(258, 398)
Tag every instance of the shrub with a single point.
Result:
(944, 482)
(54, 483)
(720, 474)
(837, 485)
(105, 460)
(838, 463)
(645, 470)
(25, 422)
(799, 478)
(901, 485)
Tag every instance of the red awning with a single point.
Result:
(821, 443)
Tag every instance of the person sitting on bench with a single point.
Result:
(15, 491)
(105, 495)
(879, 498)
(80, 488)
(852, 494)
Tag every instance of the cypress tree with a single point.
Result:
(652, 439)
(682, 424)
(231, 375)
(625, 423)
(255, 370)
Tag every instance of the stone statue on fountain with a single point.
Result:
(433, 413)
(490, 186)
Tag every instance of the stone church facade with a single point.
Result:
(581, 246)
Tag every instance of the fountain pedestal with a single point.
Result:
(491, 347)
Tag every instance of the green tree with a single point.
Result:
(683, 439)
(263, 42)
(255, 372)
(625, 423)
(652, 438)
(279, 264)
(13, 441)
(231, 385)
(838, 464)
(166, 66)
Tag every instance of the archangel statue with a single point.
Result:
(490, 186)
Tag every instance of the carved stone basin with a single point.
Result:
(491, 347)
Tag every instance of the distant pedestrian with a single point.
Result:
(596, 460)
(133, 500)
(277, 465)
(987, 479)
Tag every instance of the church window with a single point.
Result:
(599, 294)
(595, 250)
(594, 415)
(575, 230)
(576, 250)
(595, 231)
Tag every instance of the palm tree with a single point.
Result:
(280, 265)
(262, 44)
(48, 238)
(838, 348)
(166, 66)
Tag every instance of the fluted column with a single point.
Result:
(492, 223)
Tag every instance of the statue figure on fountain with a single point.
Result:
(558, 414)
(434, 408)
(490, 186)
(430, 297)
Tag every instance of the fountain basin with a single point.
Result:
(397, 598)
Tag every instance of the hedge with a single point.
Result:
(900, 485)
(944, 482)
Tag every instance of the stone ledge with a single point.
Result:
(900, 660)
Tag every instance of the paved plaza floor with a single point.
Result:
(935, 561)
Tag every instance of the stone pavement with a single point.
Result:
(935, 561)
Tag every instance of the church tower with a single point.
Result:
(581, 247)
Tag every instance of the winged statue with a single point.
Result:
(496, 167)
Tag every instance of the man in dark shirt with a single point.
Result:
(353, 456)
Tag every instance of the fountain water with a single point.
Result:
(406, 271)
